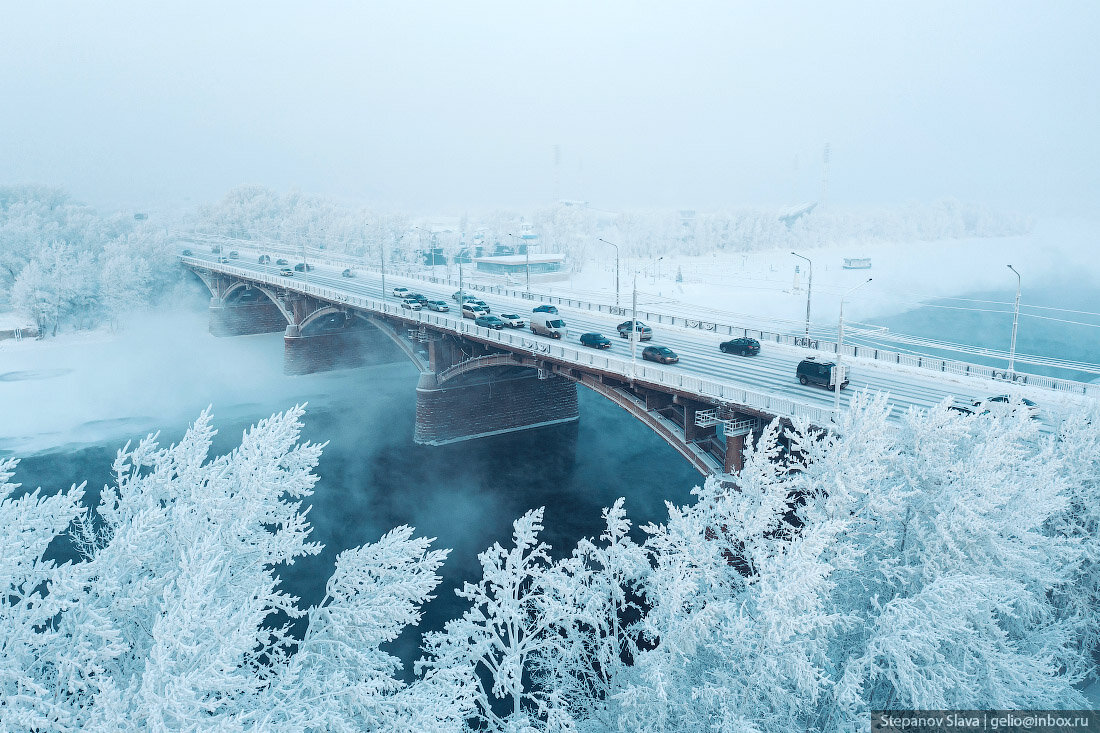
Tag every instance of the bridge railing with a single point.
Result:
(945, 366)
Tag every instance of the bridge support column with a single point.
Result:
(347, 348)
(244, 319)
(489, 404)
(735, 459)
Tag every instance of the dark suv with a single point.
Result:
(645, 333)
(303, 267)
(545, 309)
(812, 371)
(596, 340)
(743, 346)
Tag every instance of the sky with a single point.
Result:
(449, 107)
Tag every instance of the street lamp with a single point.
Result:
(838, 373)
(616, 269)
(527, 252)
(657, 269)
(634, 328)
(809, 289)
(1015, 322)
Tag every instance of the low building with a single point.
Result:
(513, 265)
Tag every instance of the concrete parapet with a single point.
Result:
(489, 402)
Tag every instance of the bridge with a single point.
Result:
(477, 381)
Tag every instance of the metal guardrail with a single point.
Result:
(728, 391)
(945, 366)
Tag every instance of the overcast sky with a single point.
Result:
(445, 107)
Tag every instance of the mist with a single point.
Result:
(452, 107)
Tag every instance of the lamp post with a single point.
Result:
(1015, 322)
(616, 269)
(527, 252)
(838, 374)
(382, 256)
(634, 328)
(657, 269)
(809, 289)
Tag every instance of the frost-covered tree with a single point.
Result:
(175, 618)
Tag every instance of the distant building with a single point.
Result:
(506, 265)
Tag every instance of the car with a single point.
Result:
(460, 295)
(286, 272)
(438, 305)
(489, 322)
(410, 304)
(223, 260)
(661, 354)
(596, 340)
(186, 253)
(264, 259)
(419, 298)
(1004, 404)
(281, 261)
(216, 249)
(812, 371)
(545, 309)
(645, 333)
(961, 409)
(233, 255)
(303, 267)
(512, 320)
(481, 304)
(473, 310)
(400, 292)
(744, 346)
(348, 273)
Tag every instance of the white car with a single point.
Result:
(1005, 404)
(413, 305)
(400, 292)
(512, 320)
(473, 310)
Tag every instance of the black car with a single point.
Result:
(742, 346)
(812, 371)
(281, 262)
(489, 322)
(348, 273)
(661, 354)
(265, 259)
(545, 309)
(186, 253)
(596, 340)
(419, 298)
(303, 267)
(645, 333)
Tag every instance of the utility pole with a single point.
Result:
(1015, 323)
(809, 289)
(634, 329)
(616, 269)
(838, 373)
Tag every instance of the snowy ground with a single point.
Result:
(763, 287)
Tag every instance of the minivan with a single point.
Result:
(812, 371)
(547, 324)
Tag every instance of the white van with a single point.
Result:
(548, 324)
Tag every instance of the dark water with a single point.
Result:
(373, 477)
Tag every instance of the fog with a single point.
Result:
(449, 107)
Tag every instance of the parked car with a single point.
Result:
(438, 305)
(545, 309)
(547, 324)
(473, 310)
(645, 333)
(303, 267)
(264, 259)
(1004, 404)
(512, 320)
(489, 322)
(234, 255)
(348, 273)
(400, 292)
(812, 371)
(186, 253)
(743, 346)
(409, 304)
(286, 272)
(661, 354)
(596, 340)
(281, 261)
